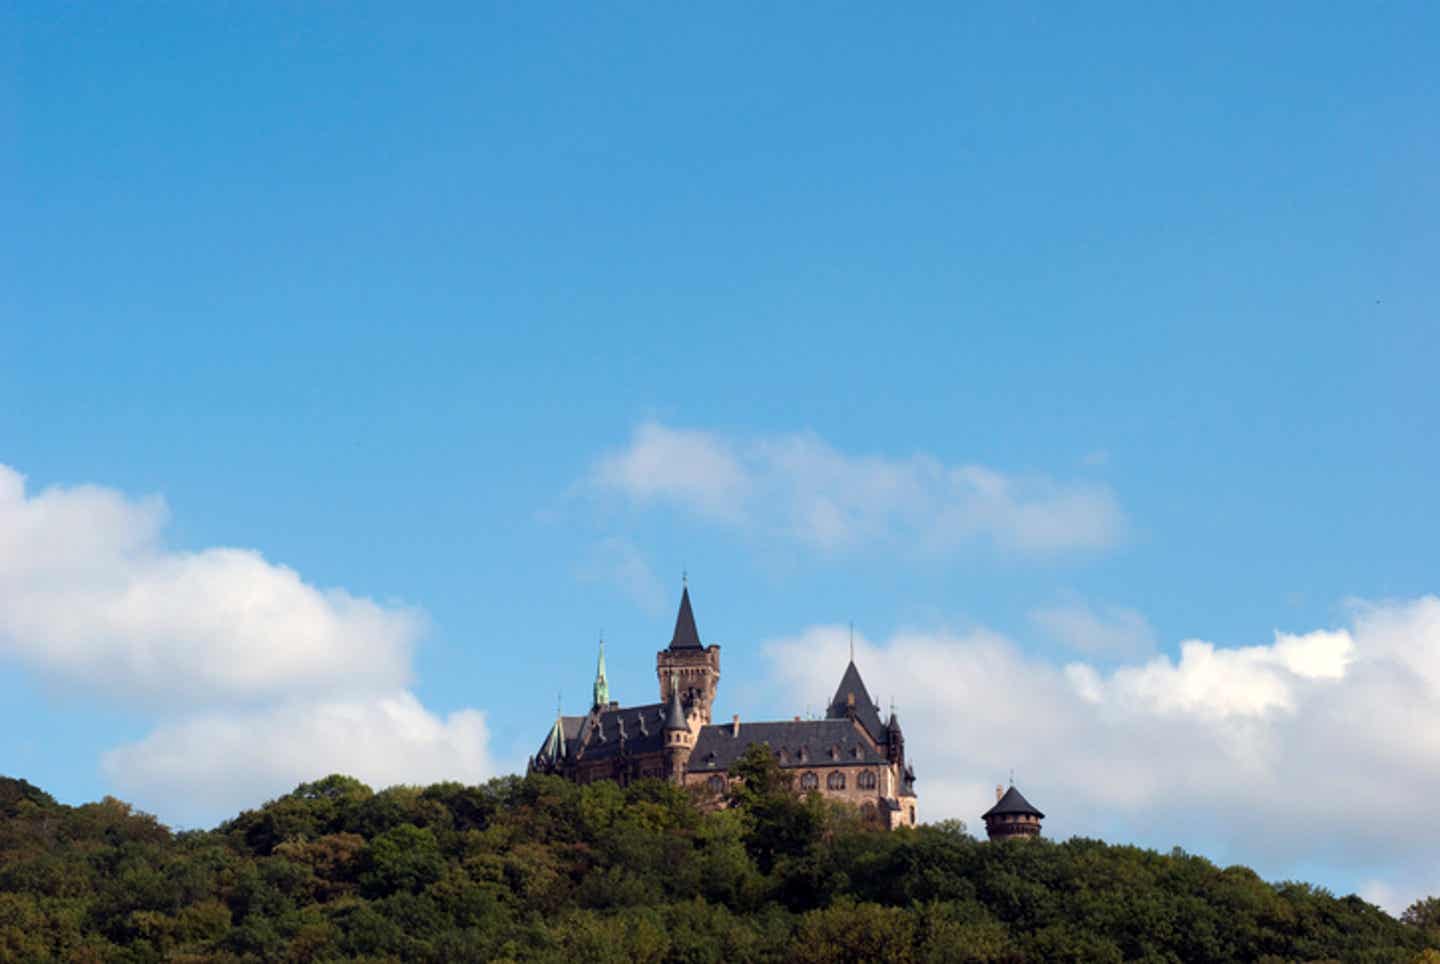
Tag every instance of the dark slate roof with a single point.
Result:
(1012, 802)
(804, 743)
(620, 729)
(686, 635)
(865, 709)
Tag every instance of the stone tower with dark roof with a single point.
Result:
(1012, 816)
(679, 737)
(688, 665)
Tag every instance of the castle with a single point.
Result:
(851, 755)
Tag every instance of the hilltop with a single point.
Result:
(538, 869)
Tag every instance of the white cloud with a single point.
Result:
(89, 592)
(1108, 631)
(693, 469)
(221, 762)
(802, 487)
(1320, 747)
(276, 681)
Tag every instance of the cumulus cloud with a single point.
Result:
(90, 592)
(1317, 747)
(802, 487)
(221, 762)
(276, 681)
(693, 469)
(1103, 631)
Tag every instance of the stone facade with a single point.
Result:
(850, 755)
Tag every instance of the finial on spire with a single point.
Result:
(684, 578)
(1012, 776)
(852, 640)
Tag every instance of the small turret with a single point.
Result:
(679, 740)
(894, 739)
(675, 713)
(1012, 816)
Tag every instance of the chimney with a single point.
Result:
(999, 792)
(735, 725)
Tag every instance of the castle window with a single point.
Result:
(867, 811)
(835, 781)
(716, 784)
(854, 753)
(809, 781)
(866, 780)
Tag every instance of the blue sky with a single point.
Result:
(1012, 333)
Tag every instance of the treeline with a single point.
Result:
(537, 869)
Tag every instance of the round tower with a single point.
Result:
(1012, 816)
(679, 740)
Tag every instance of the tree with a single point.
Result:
(1424, 914)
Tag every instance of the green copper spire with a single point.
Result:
(602, 688)
(555, 743)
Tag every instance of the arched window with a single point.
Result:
(809, 781)
(835, 781)
(716, 783)
(866, 780)
(867, 811)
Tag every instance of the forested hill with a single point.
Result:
(538, 869)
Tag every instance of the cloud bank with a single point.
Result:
(216, 762)
(1319, 747)
(89, 592)
(278, 681)
(802, 488)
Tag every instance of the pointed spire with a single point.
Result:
(853, 699)
(686, 635)
(675, 713)
(602, 687)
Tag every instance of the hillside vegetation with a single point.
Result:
(536, 869)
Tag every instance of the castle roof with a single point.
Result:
(852, 691)
(686, 635)
(636, 729)
(799, 743)
(1011, 802)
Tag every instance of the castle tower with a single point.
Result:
(679, 739)
(687, 665)
(1012, 816)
